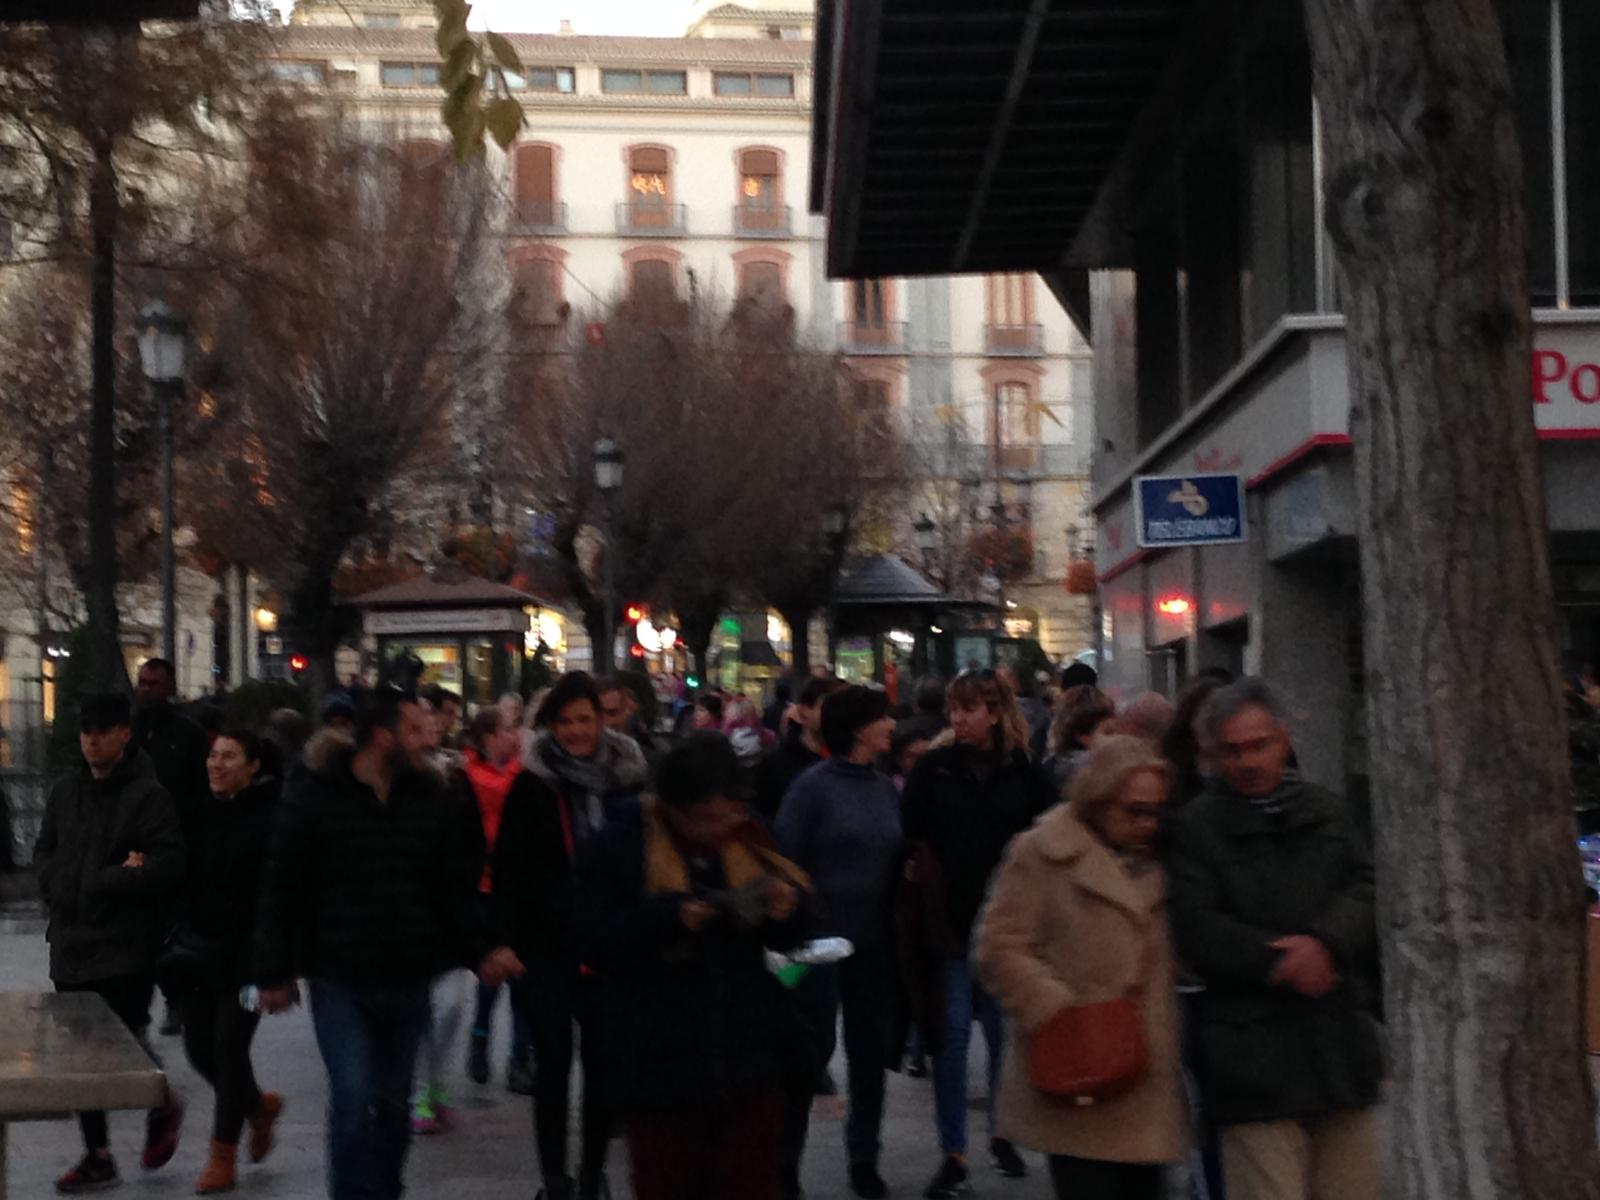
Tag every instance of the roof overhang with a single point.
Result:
(97, 12)
(981, 135)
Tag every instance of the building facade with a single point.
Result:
(685, 162)
(1185, 229)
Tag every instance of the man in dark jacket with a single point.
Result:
(177, 747)
(366, 879)
(799, 751)
(680, 907)
(1273, 908)
(110, 864)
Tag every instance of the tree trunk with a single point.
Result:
(1481, 902)
(106, 671)
(798, 618)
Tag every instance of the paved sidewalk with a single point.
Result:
(491, 1155)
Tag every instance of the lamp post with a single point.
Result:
(163, 347)
(608, 480)
(927, 536)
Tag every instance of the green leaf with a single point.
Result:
(504, 121)
(504, 53)
(458, 66)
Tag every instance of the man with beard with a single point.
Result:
(367, 895)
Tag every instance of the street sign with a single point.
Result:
(1189, 510)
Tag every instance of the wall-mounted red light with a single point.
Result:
(1174, 606)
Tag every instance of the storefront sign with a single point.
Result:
(1189, 510)
(1566, 379)
(446, 620)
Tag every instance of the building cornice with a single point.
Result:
(299, 40)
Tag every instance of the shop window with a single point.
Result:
(1580, 35)
(537, 205)
(1526, 27)
(1280, 234)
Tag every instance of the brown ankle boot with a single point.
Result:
(218, 1175)
(261, 1123)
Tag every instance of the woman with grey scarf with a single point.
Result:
(579, 778)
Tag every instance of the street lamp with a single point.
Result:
(608, 479)
(163, 348)
(927, 536)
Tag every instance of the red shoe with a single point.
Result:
(92, 1174)
(161, 1135)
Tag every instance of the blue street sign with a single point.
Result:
(1189, 510)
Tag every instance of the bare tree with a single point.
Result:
(98, 130)
(1482, 908)
(346, 358)
(737, 441)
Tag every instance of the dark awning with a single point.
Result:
(97, 12)
(976, 135)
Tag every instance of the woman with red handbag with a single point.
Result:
(1074, 944)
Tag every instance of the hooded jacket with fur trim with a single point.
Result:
(364, 890)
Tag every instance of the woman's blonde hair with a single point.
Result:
(971, 688)
(1101, 778)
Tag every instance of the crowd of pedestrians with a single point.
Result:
(1165, 938)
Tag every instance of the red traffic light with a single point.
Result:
(635, 613)
(297, 663)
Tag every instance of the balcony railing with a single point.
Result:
(1014, 340)
(638, 219)
(762, 221)
(885, 337)
(541, 216)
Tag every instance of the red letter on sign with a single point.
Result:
(1549, 366)
(1586, 392)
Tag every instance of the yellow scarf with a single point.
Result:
(746, 858)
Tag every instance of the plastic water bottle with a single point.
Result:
(250, 998)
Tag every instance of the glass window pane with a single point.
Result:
(564, 80)
(730, 85)
(428, 74)
(669, 83)
(398, 74)
(621, 81)
(1581, 41)
(1526, 25)
(775, 85)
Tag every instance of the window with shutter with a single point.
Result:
(536, 186)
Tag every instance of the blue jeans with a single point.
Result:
(963, 1001)
(368, 1035)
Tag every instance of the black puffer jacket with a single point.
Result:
(967, 805)
(369, 890)
(227, 850)
(690, 1019)
(107, 919)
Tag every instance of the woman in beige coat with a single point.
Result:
(1077, 915)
